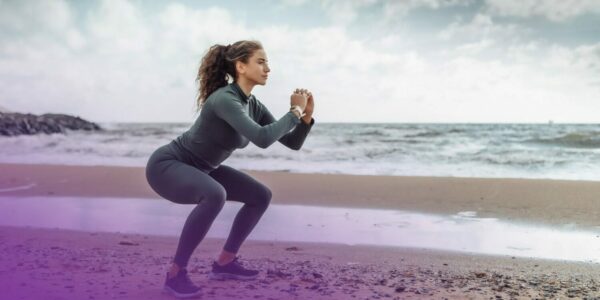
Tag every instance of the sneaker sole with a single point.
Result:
(171, 291)
(224, 276)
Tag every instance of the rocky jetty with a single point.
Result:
(12, 124)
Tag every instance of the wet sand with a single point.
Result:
(555, 202)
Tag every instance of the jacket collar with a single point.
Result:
(240, 92)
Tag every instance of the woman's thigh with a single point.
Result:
(180, 182)
(241, 186)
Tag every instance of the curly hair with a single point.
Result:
(218, 66)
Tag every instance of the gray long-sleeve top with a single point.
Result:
(229, 120)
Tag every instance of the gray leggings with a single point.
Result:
(173, 179)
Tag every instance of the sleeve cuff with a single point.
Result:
(295, 119)
(312, 121)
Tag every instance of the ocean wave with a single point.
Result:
(522, 162)
(425, 134)
(254, 155)
(113, 139)
(378, 153)
(373, 133)
(348, 142)
(454, 130)
(435, 133)
(588, 140)
(51, 144)
(400, 141)
(507, 150)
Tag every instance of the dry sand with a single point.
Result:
(61, 264)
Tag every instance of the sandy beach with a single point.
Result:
(40, 263)
(545, 201)
(63, 264)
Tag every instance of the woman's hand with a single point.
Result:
(310, 104)
(298, 98)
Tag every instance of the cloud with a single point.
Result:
(481, 27)
(583, 60)
(121, 64)
(557, 11)
(346, 12)
(118, 28)
(44, 17)
(125, 63)
(402, 8)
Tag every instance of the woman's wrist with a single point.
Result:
(297, 110)
(306, 118)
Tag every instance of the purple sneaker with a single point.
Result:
(181, 286)
(232, 270)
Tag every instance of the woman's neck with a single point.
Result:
(245, 85)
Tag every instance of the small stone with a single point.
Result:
(126, 243)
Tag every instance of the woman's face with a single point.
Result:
(257, 68)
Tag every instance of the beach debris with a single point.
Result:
(277, 273)
(400, 289)
(127, 243)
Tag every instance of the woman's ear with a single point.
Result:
(240, 67)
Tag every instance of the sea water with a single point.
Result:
(556, 151)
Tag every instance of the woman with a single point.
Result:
(188, 170)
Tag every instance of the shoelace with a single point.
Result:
(236, 260)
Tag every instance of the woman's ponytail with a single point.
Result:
(218, 66)
(213, 72)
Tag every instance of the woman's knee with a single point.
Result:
(216, 196)
(263, 196)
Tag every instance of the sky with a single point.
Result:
(405, 61)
